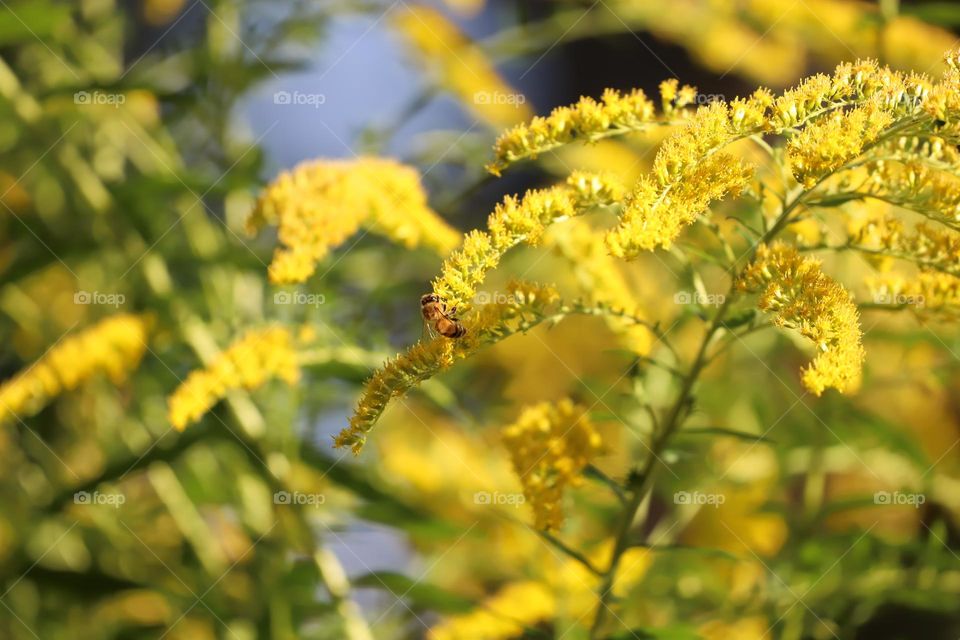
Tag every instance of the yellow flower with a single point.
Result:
(827, 144)
(927, 293)
(753, 628)
(688, 174)
(602, 280)
(319, 204)
(526, 305)
(550, 444)
(461, 67)
(504, 615)
(915, 186)
(587, 120)
(114, 347)
(804, 298)
(515, 221)
(926, 245)
(246, 364)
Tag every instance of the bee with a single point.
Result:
(437, 317)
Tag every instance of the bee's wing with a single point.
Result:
(426, 329)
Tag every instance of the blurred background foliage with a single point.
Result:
(134, 138)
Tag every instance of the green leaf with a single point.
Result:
(722, 431)
(422, 594)
(678, 632)
(943, 13)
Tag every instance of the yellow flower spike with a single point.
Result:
(319, 204)
(514, 221)
(588, 120)
(113, 347)
(927, 293)
(802, 297)
(460, 66)
(928, 246)
(248, 363)
(653, 216)
(525, 305)
(503, 616)
(549, 445)
(826, 145)
(913, 185)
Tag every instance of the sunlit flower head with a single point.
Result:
(514, 221)
(802, 297)
(587, 120)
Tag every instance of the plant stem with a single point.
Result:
(674, 419)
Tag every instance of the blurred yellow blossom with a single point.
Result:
(461, 67)
(804, 298)
(602, 280)
(550, 444)
(114, 347)
(753, 628)
(319, 204)
(504, 615)
(248, 363)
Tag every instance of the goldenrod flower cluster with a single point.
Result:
(549, 445)
(514, 221)
(319, 204)
(928, 246)
(588, 120)
(248, 363)
(688, 174)
(461, 66)
(602, 280)
(929, 292)
(504, 615)
(525, 303)
(829, 143)
(915, 186)
(802, 297)
(114, 347)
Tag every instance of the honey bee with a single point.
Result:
(437, 317)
